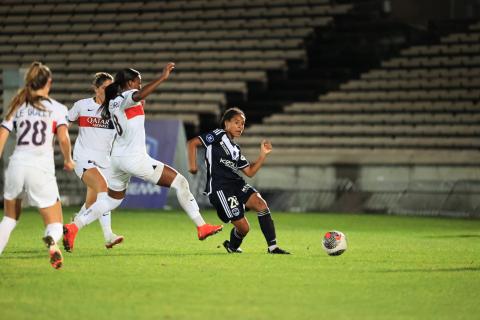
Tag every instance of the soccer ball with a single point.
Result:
(334, 243)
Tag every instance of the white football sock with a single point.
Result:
(186, 199)
(103, 204)
(54, 230)
(106, 224)
(6, 227)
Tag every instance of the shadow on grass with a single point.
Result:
(477, 268)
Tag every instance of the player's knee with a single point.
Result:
(180, 183)
(243, 228)
(261, 206)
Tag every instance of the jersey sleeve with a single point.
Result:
(8, 124)
(61, 117)
(128, 99)
(209, 138)
(242, 162)
(74, 113)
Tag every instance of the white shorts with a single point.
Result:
(141, 166)
(40, 186)
(82, 165)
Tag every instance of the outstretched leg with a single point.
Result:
(172, 179)
(106, 202)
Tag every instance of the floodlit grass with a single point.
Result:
(394, 268)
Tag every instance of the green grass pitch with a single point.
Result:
(395, 268)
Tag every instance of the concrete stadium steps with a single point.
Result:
(452, 106)
(151, 11)
(441, 49)
(402, 95)
(287, 130)
(423, 73)
(432, 62)
(127, 33)
(233, 43)
(325, 156)
(377, 142)
(381, 118)
(411, 84)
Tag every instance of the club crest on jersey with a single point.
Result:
(210, 138)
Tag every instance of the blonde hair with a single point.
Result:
(36, 78)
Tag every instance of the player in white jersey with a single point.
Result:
(124, 100)
(92, 150)
(31, 170)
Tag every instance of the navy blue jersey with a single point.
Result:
(223, 159)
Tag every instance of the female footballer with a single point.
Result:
(91, 152)
(226, 189)
(124, 100)
(36, 118)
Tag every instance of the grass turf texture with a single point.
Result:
(394, 268)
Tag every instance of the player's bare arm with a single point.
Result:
(65, 147)
(265, 149)
(151, 86)
(3, 139)
(192, 146)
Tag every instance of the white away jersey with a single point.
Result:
(129, 120)
(35, 133)
(95, 135)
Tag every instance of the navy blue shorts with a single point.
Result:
(230, 201)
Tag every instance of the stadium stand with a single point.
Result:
(423, 102)
(331, 83)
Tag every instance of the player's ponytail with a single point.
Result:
(36, 78)
(116, 87)
(229, 114)
(111, 92)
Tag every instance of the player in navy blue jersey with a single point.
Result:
(226, 189)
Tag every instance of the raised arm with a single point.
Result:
(3, 139)
(265, 149)
(65, 147)
(192, 146)
(151, 86)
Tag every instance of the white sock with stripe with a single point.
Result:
(106, 224)
(186, 199)
(103, 204)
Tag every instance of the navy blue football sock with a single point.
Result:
(267, 226)
(236, 239)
